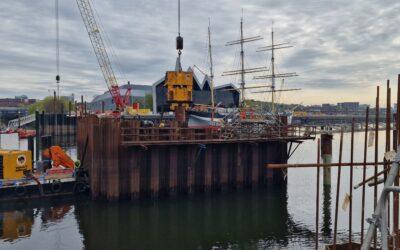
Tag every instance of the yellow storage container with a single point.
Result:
(13, 163)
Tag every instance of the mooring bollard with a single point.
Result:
(326, 154)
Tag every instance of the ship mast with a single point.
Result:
(273, 75)
(242, 60)
(242, 70)
(272, 72)
(211, 71)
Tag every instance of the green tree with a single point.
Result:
(50, 105)
(148, 101)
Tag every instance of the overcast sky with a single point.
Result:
(342, 49)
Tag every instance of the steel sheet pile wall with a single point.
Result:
(56, 124)
(132, 172)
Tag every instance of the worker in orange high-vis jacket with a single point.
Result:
(59, 157)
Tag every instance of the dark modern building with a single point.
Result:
(226, 95)
(138, 94)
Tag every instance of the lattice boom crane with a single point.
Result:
(99, 48)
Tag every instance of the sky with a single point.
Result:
(341, 49)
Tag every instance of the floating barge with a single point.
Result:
(127, 160)
(43, 186)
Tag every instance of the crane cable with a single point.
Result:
(58, 78)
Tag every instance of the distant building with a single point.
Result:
(138, 93)
(348, 107)
(226, 95)
(328, 108)
(18, 101)
(363, 107)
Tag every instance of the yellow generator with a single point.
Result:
(13, 163)
(180, 88)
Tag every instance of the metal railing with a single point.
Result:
(156, 134)
(379, 218)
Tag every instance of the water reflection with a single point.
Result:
(244, 219)
(54, 214)
(326, 211)
(17, 221)
(16, 224)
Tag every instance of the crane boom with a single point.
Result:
(99, 48)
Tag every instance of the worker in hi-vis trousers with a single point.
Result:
(59, 158)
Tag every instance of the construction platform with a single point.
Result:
(129, 160)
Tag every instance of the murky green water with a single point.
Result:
(279, 218)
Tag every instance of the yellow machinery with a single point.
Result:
(133, 111)
(13, 163)
(180, 88)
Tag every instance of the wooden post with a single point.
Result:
(317, 197)
(376, 154)
(395, 147)
(326, 154)
(364, 173)
(351, 180)
(338, 190)
(387, 147)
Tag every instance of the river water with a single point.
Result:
(279, 218)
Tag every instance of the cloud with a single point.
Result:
(339, 46)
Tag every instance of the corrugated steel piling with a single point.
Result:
(155, 174)
(255, 171)
(127, 160)
(37, 135)
(223, 170)
(173, 170)
(208, 168)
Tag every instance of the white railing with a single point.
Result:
(15, 123)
